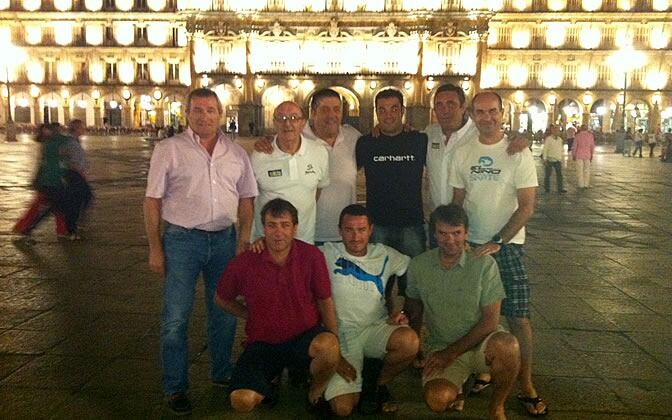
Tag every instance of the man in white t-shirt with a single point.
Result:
(368, 325)
(325, 127)
(498, 192)
(295, 171)
(552, 153)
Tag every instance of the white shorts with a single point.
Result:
(472, 361)
(370, 342)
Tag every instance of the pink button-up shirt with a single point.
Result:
(198, 190)
(584, 146)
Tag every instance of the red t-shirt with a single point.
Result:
(281, 299)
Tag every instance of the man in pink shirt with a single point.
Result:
(200, 183)
(582, 154)
(288, 308)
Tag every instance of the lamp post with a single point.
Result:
(12, 56)
(626, 60)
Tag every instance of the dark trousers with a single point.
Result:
(77, 198)
(651, 147)
(638, 146)
(548, 167)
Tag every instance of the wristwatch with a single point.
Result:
(497, 239)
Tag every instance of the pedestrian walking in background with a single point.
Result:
(653, 140)
(638, 137)
(78, 195)
(552, 154)
(582, 154)
(627, 144)
(571, 132)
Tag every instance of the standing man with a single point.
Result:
(296, 170)
(368, 324)
(288, 308)
(461, 295)
(582, 154)
(497, 190)
(552, 153)
(200, 183)
(393, 163)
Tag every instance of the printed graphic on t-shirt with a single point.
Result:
(350, 268)
(274, 173)
(486, 170)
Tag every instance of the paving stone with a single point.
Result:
(626, 365)
(58, 372)
(28, 342)
(10, 362)
(643, 397)
(599, 341)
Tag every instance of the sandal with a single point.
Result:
(480, 385)
(531, 405)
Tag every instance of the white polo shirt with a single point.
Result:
(342, 191)
(294, 178)
(439, 156)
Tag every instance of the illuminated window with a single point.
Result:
(624, 37)
(517, 75)
(490, 78)
(421, 5)
(364, 5)
(552, 76)
(157, 33)
(236, 6)
(492, 36)
(111, 71)
(520, 38)
(156, 5)
(63, 32)
(93, 5)
(660, 37)
(33, 34)
(31, 5)
(655, 80)
(661, 5)
(63, 5)
(624, 4)
(586, 77)
(157, 71)
(555, 34)
(123, 32)
(591, 5)
(35, 71)
(4, 4)
(65, 71)
(590, 38)
(521, 4)
(124, 5)
(126, 73)
(97, 72)
(94, 34)
(173, 71)
(557, 5)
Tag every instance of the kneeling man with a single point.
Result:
(461, 295)
(288, 307)
(367, 327)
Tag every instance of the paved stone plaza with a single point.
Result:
(79, 320)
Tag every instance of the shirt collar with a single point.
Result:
(300, 152)
(266, 255)
(308, 132)
(461, 262)
(196, 139)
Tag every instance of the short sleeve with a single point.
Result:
(321, 284)
(158, 172)
(492, 287)
(247, 183)
(411, 280)
(398, 262)
(422, 148)
(526, 172)
(360, 152)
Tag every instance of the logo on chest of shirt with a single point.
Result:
(349, 268)
(274, 173)
(309, 169)
(485, 170)
(436, 146)
(394, 158)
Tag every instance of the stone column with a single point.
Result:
(98, 109)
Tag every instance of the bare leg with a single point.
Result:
(245, 400)
(402, 347)
(502, 354)
(522, 329)
(342, 405)
(325, 354)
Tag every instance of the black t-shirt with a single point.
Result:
(393, 168)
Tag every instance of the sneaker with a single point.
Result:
(179, 404)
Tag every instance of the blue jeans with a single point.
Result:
(409, 240)
(190, 252)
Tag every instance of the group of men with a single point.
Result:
(326, 311)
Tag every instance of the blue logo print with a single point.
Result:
(484, 171)
(349, 268)
(485, 161)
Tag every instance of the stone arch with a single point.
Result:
(51, 105)
(603, 116)
(637, 114)
(272, 97)
(23, 111)
(570, 112)
(535, 115)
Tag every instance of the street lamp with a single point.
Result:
(11, 56)
(627, 60)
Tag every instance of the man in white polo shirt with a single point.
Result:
(324, 127)
(296, 170)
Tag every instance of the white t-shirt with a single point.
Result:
(491, 178)
(439, 156)
(342, 191)
(553, 149)
(358, 283)
(294, 178)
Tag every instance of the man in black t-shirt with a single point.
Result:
(393, 163)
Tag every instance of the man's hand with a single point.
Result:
(487, 249)
(397, 318)
(437, 361)
(517, 144)
(346, 370)
(258, 246)
(157, 261)
(242, 246)
(264, 145)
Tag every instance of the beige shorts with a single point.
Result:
(370, 342)
(472, 361)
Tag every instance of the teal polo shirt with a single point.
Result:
(452, 298)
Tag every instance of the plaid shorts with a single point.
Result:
(516, 283)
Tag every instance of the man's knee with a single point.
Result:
(439, 394)
(503, 346)
(245, 400)
(324, 345)
(405, 341)
(343, 405)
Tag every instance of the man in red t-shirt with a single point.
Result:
(291, 321)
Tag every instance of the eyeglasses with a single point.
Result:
(285, 118)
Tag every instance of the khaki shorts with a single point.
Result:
(370, 342)
(472, 361)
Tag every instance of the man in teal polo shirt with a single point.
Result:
(461, 295)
